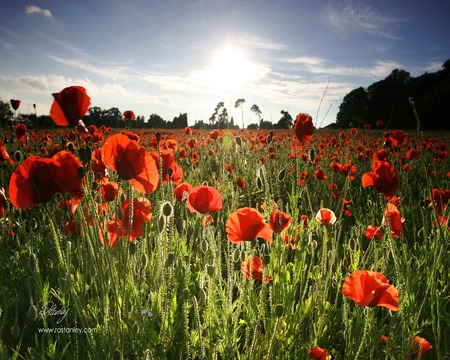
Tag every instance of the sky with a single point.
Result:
(168, 57)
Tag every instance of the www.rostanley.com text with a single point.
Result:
(67, 330)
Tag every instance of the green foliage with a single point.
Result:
(387, 100)
(178, 291)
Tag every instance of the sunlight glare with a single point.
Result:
(231, 69)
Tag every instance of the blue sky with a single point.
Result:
(174, 56)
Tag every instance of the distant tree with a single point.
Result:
(181, 121)
(286, 121)
(6, 114)
(252, 126)
(156, 122)
(353, 109)
(94, 116)
(219, 117)
(255, 109)
(389, 100)
(200, 124)
(238, 104)
(263, 124)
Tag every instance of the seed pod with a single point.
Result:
(312, 155)
(167, 209)
(282, 175)
(279, 310)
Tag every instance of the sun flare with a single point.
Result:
(231, 69)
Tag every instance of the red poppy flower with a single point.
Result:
(257, 268)
(228, 168)
(182, 154)
(326, 217)
(379, 123)
(2, 201)
(246, 224)
(383, 177)
(188, 130)
(141, 213)
(3, 154)
(373, 231)
(240, 183)
(303, 127)
(440, 199)
(71, 228)
(109, 191)
(203, 199)
(192, 143)
(21, 133)
(37, 180)
(182, 190)
(304, 175)
(393, 218)
(279, 220)
(319, 174)
(369, 288)
(168, 162)
(131, 162)
(129, 115)
(195, 158)
(346, 207)
(317, 353)
(114, 230)
(69, 106)
(420, 346)
(303, 220)
(15, 104)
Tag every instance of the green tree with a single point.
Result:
(238, 104)
(6, 114)
(353, 109)
(286, 121)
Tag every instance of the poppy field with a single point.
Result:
(222, 244)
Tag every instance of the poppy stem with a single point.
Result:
(365, 332)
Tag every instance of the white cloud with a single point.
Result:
(363, 18)
(32, 9)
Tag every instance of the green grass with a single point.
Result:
(178, 291)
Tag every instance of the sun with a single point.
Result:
(230, 69)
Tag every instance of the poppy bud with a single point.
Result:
(120, 213)
(158, 136)
(259, 183)
(167, 209)
(123, 197)
(279, 310)
(204, 245)
(269, 138)
(282, 175)
(85, 154)
(238, 140)
(210, 270)
(161, 224)
(32, 312)
(18, 156)
(15, 331)
(312, 155)
(236, 255)
(81, 172)
(186, 293)
(192, 288)
(70, 146)
(170, 259)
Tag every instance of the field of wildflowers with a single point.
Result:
(296, 244)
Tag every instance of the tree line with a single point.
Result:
(393, 99)
(113, 117)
